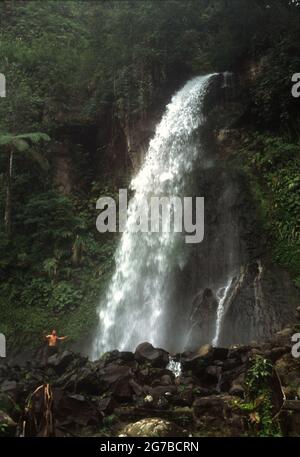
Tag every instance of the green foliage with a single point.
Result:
(258, 404)
(3, 428)
(50, 266)
(259, 372)
(65, 295)
(24, 142)
(75, 60)
(43, 285)
(19, 141)
(108, 421)
(273, 104)
(36, 292)
(41, 47)
(274, 164)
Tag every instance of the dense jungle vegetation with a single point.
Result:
(78, 74)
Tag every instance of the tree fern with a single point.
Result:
(21, 143)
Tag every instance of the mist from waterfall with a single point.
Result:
(137, 304)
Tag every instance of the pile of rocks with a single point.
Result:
(108, 396)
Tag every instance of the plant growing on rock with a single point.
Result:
(258, 404)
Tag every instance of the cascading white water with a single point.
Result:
(174, 366)
(222, 295)
(136, 305)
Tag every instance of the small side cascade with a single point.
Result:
(222, 296)
(228, 86)
(228, 80)
(174, 366)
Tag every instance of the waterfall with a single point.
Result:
(222, 295)
(137, 303)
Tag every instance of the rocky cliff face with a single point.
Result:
(263, 301)
(233, 258)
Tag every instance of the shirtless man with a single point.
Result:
(52, 340)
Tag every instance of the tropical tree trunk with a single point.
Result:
(8, 202)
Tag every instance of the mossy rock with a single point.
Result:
(152, 427)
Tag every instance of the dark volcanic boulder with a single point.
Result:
(212, 375)
(163, 390)
(97, 378)
(151, 375)
(137, 389)
(74, 410)
(166, 380)
(218, 412)
(220, 353)
(215, 405)
(117, 356)
(113, 373)
(234, 376)
(105, 404)
(237, 390)
(61, 361)
(197, 362)
(119, 379)
(11, 388)
(230, 364)
(86, 380)
(276, 353)
(240, 353)
(145, 352)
